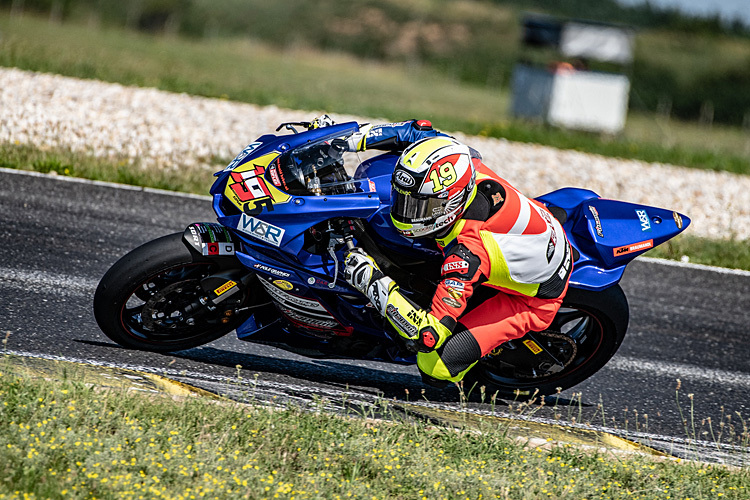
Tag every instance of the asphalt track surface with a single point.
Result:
(61, 235)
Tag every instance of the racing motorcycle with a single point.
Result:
(291, 205)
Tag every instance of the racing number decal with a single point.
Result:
(248, 189)
(249, 185)
(442, 176)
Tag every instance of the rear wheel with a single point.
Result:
(584, 336)
(150, 299)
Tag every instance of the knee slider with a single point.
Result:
(460, 352)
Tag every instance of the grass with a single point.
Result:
(71, 164)
(64, 439)
(730, 253)
(298, 78)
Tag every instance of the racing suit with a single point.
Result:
(506, 251)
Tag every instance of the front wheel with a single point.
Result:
(150, 299)
(583, 337)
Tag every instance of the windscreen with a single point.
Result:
(320, 168)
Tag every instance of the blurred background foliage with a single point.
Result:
(685, 67)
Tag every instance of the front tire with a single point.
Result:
(589, 329)
(147, 299)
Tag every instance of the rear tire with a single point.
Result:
(140, 302)
(597, 321)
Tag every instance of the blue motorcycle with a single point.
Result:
(289, 207)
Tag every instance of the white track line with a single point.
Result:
(679, 370)
(113, 185)
(699, 267)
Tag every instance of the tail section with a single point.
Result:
(608, 234)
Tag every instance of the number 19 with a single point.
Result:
(444, 178)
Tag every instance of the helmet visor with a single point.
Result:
(410, 208)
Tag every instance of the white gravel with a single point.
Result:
(167, 130)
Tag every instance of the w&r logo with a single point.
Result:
(645, 222)
(262, 230)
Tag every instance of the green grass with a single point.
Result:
(730, 253)
(62, 162)
(65, 439)
(250, 71)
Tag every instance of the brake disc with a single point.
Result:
(164, 308)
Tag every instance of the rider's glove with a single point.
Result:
(321, 121)
(362, 272)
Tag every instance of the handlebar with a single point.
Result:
(290, 126)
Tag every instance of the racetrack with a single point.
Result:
(61, 235)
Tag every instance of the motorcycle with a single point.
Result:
(289, 207)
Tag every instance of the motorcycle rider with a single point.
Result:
(507, 259)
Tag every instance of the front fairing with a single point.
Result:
(276, 224)
(253, 197)
(250, 196)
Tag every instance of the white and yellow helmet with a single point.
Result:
(433, 182)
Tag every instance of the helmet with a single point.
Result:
(433, 182)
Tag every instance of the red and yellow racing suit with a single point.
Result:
(508, 252)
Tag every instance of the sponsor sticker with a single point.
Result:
(217, 248)
(597, 221)
(455, 264)
(274, 175)
(271, 270)
(261, 230)
(283, 284)
(551, 246)
(309, 321)
(293, 301)
(635, 247)
(533, 346)
(414, 317)
(194, 233)
(455, 285)
(211, 238)
(225, 287)
(404, 178)
(243, 154)
(452, 302)
(403, 323)
(645, 222)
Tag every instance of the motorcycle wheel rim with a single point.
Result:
(173, 329)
